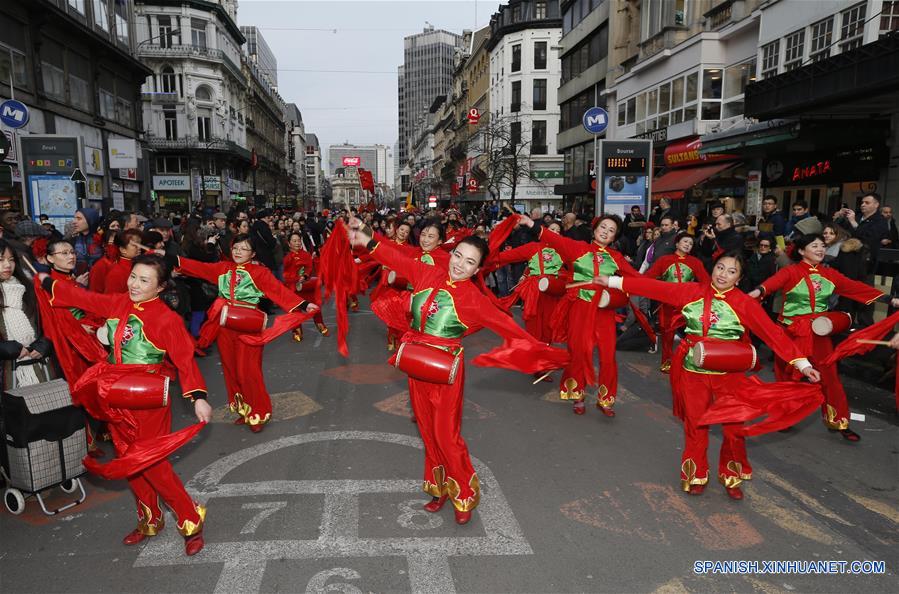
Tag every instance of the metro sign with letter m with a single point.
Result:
(13, 113)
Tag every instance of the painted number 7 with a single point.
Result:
(266, 508)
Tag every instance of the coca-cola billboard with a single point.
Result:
(352, 161)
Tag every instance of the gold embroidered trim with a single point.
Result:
(688, 475)
(146, 524)
(189, 528)
(832, 421)
(570, 390)
(464, 505)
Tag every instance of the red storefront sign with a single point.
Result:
(811, 171)
(474, 116)
(685, 153)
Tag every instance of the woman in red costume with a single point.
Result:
(679, 267)
(807, 287)
(152, 339)
(580, 317)
(127, 243)
(300, 276)
(401, 234)
(241, 283)
(76, 327)
(542, 262)
(717, 311)
(445, 306)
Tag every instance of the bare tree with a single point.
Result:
(504, 160)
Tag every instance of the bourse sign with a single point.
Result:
(623, 176)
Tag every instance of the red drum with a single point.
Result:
(307, 285)
(243, 319)
(724, 355)
(428, 363)
(396, 281)
(552, 285)
(832, 322)
(611, 299)
(141, 390)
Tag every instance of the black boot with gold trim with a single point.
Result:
(323, 329)
(298, 335)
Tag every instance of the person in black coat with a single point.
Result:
(263, 240)
(724, 239)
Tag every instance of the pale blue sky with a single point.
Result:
(360, 106)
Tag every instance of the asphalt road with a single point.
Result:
(327, 497)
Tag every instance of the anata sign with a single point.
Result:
(811, 171)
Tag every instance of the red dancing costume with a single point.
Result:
(585, 325)
(442, 312)
(674, 268)
(715, 316)
(240, 285)
(117, 276)
(807, 290)
(299, 267)
(152, 339)
(384, 291)
(539, 306)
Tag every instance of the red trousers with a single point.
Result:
(582, 338)
(666, 329)
(315, 297)
(158, 480)
(701, 390)
(448, 469)
(540, 325)
(835, 409)
(242, 368)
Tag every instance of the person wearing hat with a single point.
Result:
(222, 233)
(88, 246)
(263, 239)
(26, 233)
(163, 226)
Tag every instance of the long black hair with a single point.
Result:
(29, 301)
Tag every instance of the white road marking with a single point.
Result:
(427, 557)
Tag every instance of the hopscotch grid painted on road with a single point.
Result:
(427, 558)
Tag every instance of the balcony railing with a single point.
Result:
(159, 97)
(197, 52)
(194, 143)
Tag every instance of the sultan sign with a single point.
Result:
(686, 154)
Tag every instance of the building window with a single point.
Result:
(124, 112)
(167, 81)
(171, 123)
(168, 37)
(540, 9)
(15, 69)
(540, 55)
(735, 80)
(516, 97)
(77, 6)
(54, 81)
(852, 27)
(516, 58)
(121, 21)
(101, 14)
(204, 128)
(198, 33)
(770, 59)
(79, 93)
(515, 134)
(822, 33)
(539, 93)
(538, 137)
(889, 17)
(516, 13)
(107, 105)
(794, 48)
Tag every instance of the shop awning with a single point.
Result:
(675, 182)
